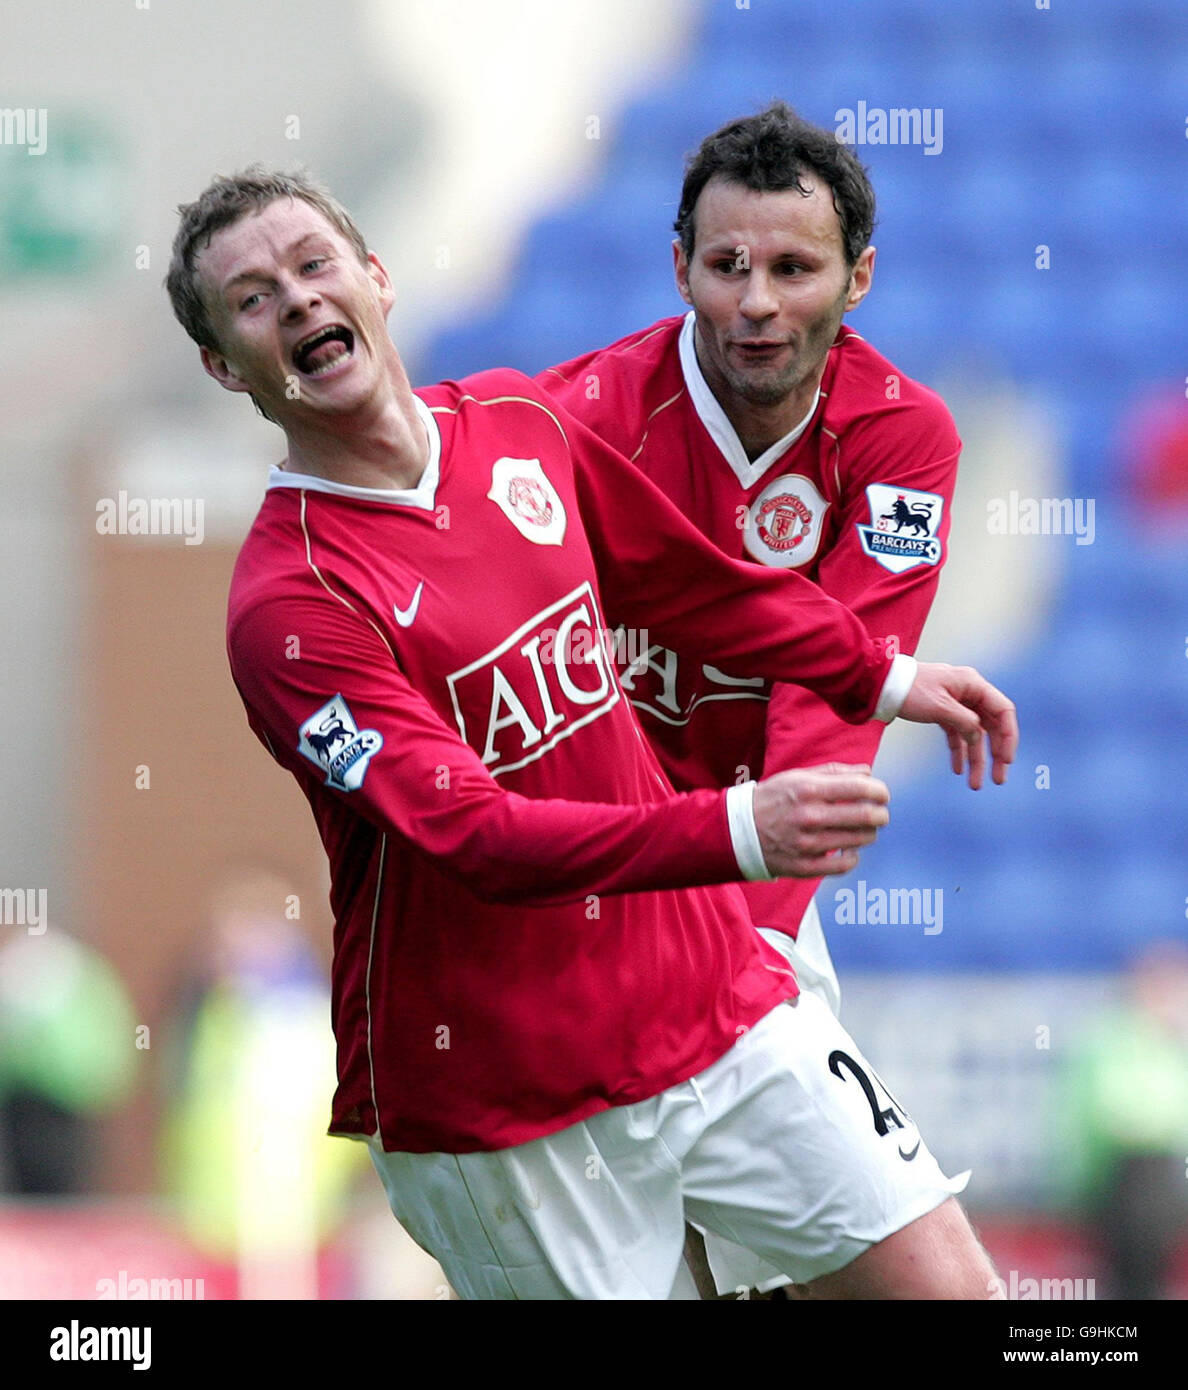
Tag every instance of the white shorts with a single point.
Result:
(735, 1269)
(775, 1146)
(809, 957)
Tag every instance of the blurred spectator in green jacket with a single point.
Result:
(1124, 1129)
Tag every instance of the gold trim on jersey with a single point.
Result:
(649, 420)
(502, 400)
(322, 581)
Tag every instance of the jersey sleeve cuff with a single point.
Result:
(895, 687)
(744, 835)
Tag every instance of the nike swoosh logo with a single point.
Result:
(907, 1157)
(405, 616)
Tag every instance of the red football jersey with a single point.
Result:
(430, 665)
(856, 498)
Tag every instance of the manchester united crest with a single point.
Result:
(783, 527)
(530, 502)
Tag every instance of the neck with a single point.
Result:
(380, 445)
(760, 426)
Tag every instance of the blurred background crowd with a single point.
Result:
(165, 1053)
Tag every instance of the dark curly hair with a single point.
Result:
(772, 151)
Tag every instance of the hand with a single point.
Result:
(812, 820)
(967, 707)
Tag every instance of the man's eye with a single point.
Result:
(726, 266)
(250, 301)
(315, 263)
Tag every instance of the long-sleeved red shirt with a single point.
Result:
(857, 498)
(429, 665)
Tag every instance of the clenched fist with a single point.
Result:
(813, 820)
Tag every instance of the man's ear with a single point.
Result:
(860, 278)
(379, 273)
(680, 267)
(224, 373)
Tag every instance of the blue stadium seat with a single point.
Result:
(727, 27)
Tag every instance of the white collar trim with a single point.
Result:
(713, 417)
(422, 496)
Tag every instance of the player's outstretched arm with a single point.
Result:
(423, 782)
(658, 573)
(969, 709)
(812, 821)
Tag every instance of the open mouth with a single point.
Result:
(316, 355)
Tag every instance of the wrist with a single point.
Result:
(744, 833)
(895, 689)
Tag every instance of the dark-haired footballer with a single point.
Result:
(790, 442)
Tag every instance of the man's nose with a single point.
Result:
(297, 297)
(759, 300)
